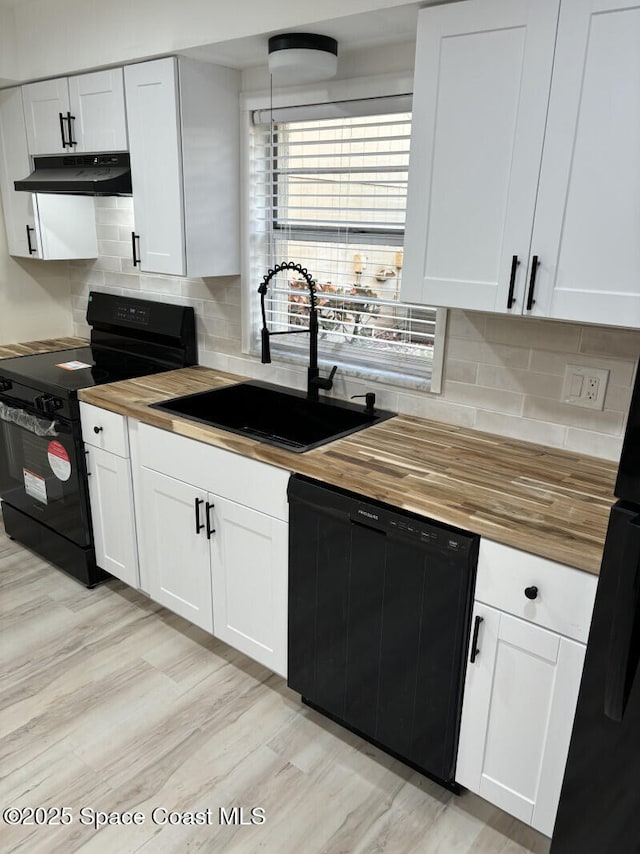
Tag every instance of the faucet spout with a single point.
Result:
(314, 380)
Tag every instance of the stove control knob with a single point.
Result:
(48, 403)
(5, 385)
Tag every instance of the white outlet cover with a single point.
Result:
(585, 386)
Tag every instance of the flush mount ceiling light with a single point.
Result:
(302, 57)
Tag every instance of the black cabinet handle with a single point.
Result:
(199, 524)
(70, 119)
(65, 144)
(531, 592)
(207, 516)
(512, 281)
(136, 258)
(97, 430)
(475, 652)
(532, 282)
(32, 250)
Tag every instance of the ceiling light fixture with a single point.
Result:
(302, 57)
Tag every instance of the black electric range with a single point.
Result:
(43, 478)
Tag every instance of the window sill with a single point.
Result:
(369, 373)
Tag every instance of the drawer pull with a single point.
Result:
(210, 529)
(136, 258)
(32, 251)
(535, 262)
(531, 592)
(199, 524)
(512, 281)
(475, 652)
(97, 430)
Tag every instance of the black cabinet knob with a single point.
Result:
(97, 430)
(531, 592)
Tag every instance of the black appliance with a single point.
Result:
(599, 810)
(43, 479)
(379, 612)
(79, 174)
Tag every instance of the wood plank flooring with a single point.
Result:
(110, 703)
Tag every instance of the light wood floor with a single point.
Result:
(109, 702)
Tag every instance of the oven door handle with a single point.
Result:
(27, 420)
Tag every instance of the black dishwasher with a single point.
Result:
(379, 611)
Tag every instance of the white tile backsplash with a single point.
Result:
(502, 374)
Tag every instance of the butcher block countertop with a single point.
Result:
(549, 502)
(47, 346)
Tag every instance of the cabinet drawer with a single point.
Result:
(104, 429)
(565, 596)
(249, 482)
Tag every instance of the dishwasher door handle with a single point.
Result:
(365, 523)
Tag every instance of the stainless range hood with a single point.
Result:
(80, 175)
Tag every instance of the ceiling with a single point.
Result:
(354, 32)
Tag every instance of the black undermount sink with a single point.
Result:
(266, 412)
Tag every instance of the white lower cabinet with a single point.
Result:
(218, 558)
(522, 682)
(176, 552)
(110, 492)
(249, 571)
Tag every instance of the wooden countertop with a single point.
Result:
(46, 346)
(550, 502)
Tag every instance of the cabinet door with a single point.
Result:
(114, 530)
(97, 106)
(44, 105)
(249, 571)
(174, 555)
(519, 703)
(19, 214)
(480, 98)
(66, 226)
(588, 210)
(156, 164)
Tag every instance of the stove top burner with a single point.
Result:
(63, 372)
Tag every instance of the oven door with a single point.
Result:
(42, 470)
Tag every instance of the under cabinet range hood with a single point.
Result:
(80, 175)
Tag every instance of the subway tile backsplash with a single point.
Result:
(502, 374)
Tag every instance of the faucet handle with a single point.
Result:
(325, 382)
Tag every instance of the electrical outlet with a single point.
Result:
(585, 386)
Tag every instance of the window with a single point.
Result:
(328, 191)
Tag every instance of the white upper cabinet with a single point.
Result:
(482, 77)
(491, 187)
(587, 225)
(46, 105)
(47, 227)
(98, 114)
(184, 145)
(84, 113)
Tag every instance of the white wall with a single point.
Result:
(502, 375)
(8, 55)
(34, 297)
(54, 38)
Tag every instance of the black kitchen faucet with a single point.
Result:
(314, 380)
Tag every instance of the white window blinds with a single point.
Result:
(328, 191)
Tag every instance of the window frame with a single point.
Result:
(369, 366)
